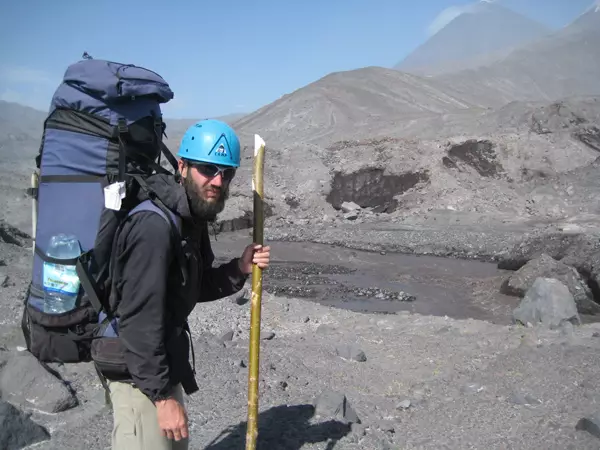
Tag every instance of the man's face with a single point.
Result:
(207, 188)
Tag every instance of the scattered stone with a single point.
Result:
(291, 291)
(349, 207)
(591, 424)
(350, 352)
(17, 430)
(373, 292)
(306, 319)
(12, 235)
(24, 381)
(549, 303)
(4, 280)
(242, 297)
(267, 336)
(523, 399)
(404, 404)
(335, 405)
(227, 336)
(387, 426)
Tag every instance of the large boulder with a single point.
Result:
(24, 381)
(17, 430)
(586, 259)
(545, 266)
(578, 247)
(547, 303)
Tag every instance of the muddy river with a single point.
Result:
(381, 283)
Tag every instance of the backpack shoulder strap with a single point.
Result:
(160, 209)
(175, 224)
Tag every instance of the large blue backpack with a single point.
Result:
(104, 128)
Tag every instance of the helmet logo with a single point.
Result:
(220, 151)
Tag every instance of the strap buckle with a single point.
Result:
(122, 126)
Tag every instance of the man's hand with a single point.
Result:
(254, 254)
(172, 419)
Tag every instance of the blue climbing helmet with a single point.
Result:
(211, 141)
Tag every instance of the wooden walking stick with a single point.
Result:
(257, 188)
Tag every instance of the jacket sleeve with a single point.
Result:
(221, 281)
(144, 263)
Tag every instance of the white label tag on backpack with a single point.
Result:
(113, 194)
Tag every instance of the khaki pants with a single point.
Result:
(135, 424)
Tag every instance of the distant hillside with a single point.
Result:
(466, 41)
(339, 102)
(563, 64)
(20, 130)
(590, 17)
(20, 133)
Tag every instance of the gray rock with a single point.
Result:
(547, 267)
(350, 207)
(227, 336)
(17, 430)
(387, 426)
(351, 215)
(404, 404)
(591, 424)
(519, 398)
(335, 405)
(549, 303)
(242, 297)
(267, 335)
(351, 352)
(25, 382)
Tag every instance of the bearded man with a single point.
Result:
(154, 296)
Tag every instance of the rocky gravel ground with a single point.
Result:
(333, 377)
(408, 381)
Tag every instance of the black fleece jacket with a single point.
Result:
(153, 305)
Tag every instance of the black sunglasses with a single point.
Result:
(212, 170)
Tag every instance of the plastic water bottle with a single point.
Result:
(61, 283)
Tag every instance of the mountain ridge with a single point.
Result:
(480, 29)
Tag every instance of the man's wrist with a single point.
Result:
(239, 266)
(160, 399)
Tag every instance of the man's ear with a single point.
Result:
(183, 167)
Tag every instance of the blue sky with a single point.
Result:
(224, 56)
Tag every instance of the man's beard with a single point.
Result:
(201, 208)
